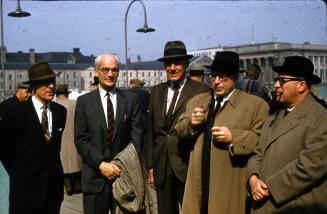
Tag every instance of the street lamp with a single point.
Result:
(17, 13)
(145, 29)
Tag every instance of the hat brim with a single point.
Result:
(313, 79)
(46, 77)
(223, 70)
(188, 56)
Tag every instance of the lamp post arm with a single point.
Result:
(145, 24)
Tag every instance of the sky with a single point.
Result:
(98, 26)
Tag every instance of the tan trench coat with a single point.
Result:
(70, 159)
(292, 159)
(244, 115)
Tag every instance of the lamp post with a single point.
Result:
(145, 29)
(18, 13)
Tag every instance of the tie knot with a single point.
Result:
(219, 99)
(45, 107)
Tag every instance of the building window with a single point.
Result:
(10, 87)
(1, 85)
(74, 75)
(130, 74)
(10, 77)
(90, 74)
(75, 84)
(67, 76)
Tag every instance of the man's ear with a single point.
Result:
(302, 87)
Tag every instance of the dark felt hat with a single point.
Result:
(196, 69)
(225, 62)
(39, 72)
(298, 66)
(136, 82)
(62, 89)
(174, 49)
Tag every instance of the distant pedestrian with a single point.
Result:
(70, 159)
(196, 72)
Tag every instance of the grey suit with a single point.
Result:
(91, 134)
(291, 159)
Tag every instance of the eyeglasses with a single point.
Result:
(283, 80)
(222, 78)
(106, 70)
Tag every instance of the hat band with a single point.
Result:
(175, 52)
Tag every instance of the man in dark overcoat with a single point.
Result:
(167, 157)
(32, 139)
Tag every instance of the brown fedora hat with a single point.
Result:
(174, 49)
(196, 69)
(298, 66)
(225, 62)
(62, 89)
(39, 72)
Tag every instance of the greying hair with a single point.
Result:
(99, 57)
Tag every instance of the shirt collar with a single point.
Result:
(103, 92)
(225, 98)
(181, 83)
(38, 104)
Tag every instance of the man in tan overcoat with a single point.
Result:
(288, 173)
(70, 159)
(225, 125)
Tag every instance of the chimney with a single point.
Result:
(4, 53)
(76, 51)
(139, 58)
(32, 55)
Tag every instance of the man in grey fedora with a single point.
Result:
(226, 125)
(167, 160)
(287, 173)
(31, 135)
(196, 72)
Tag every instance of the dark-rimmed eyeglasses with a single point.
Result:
(105, 70)
(283, 80)
(222, 78)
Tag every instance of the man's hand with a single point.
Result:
(258, 188)
(221, 134)
(150, 179)
(109, 170)
(198, 116)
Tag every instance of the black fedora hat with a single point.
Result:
(226, 62)
(39, 72)
(196, 69)
(174, 49)
(298, 66)
(62, 89)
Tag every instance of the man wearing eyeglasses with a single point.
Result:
(107, 119)
(226, 124)
(167, 156)
(288, 172)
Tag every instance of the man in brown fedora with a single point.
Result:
(167, 156)
(226, 125)
(32, 133)
(196, 72)
(70, 159)
(287, 173)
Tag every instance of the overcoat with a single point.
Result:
(291, 159)
(163, 141)
(243, 114)
(70, 159)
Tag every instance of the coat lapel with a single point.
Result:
(120, 112)
(99, 111)
(163, 107)
(185, 94)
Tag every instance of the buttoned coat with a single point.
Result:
(291, 159)
(33, 165)
(70, 159)
(91, 134)
(163, 141)
(243, 114)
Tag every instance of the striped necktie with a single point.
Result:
(110, 119)
(45, 123)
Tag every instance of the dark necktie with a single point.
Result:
(172, 105)
(213, 109)
(110, 119)
(45, 123)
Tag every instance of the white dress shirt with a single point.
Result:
(113, 98)
(38, 107)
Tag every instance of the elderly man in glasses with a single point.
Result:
(288, 172)
(106, 120)
(226, 125)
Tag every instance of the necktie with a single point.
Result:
(45, 123)
(172, 105)
(213, 109)
(110, 119)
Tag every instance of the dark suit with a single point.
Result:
(91, 138)
(166, 155)
(33, 165)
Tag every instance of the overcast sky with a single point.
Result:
(98, 26)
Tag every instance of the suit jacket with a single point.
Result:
(34, 165)
(244, 115)
(163, 141)
(291, 159)
(91, 133)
